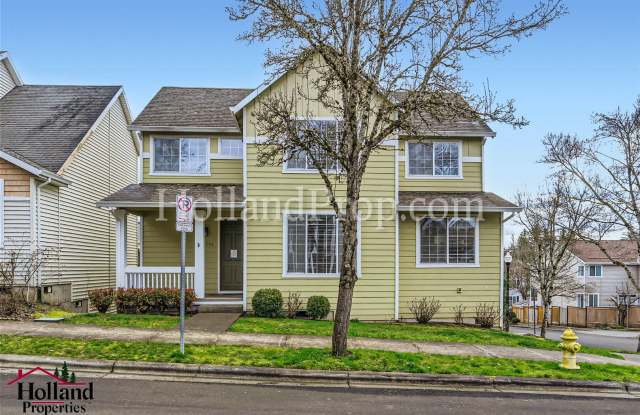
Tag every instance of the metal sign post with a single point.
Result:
(184, 224)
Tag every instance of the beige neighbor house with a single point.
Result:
(63, 148)
(603, 280)
(271, 226)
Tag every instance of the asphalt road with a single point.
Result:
(619, 340)
(122, 396)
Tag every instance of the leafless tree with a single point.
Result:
(20, 265)
(383, 67)
(518, 273)
(551, 228)
(607, 168)
(625, 297)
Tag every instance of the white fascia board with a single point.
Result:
(4, 57)
(246, 100)
(460, 208)
(179, 129)
(197, 204)
(36, 171)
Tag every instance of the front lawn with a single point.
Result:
(320, 359)
(448, 333)
(136, 321)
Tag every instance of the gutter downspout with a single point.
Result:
(38, 192)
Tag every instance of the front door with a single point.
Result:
(231, 255)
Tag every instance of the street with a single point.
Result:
(164, 397)
(618, 340)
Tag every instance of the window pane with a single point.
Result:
(446, 159)
(594, 300)
(231, 147)
(421, 159)
(462, 241)
(580, 271)
(595, 270)
(433, 241)
(580, 300)
(166, 155)
(194, 155)
(321, 244)
(325, 130)
(295, 243)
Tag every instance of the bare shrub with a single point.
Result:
(486, 315)
(424, 308)
(293, 304)
(458, 314)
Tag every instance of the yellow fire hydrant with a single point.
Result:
(569, 348)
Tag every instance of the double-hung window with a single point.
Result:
(230, 147)
(434, 159)
(591, 300)
(328, 131)
(590, 271)
(447, 241)
(313, 244)
(181, 155)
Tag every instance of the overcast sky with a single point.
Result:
(587, 61)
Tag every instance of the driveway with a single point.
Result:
(619, 340)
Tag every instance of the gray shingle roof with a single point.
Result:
(45, 123)
(204, 108)
(620, 250)
(155, 194)
(439, 201)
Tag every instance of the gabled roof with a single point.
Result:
(620, 250)
(191, 110)
(4, 58)
(45, 123)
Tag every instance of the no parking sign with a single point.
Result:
(184, 213)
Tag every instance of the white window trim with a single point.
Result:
(586, 299)
(152, 171)
(2, 197)
(476, 262)
(219, 155)
(287, 170)
(285, 244)
(410, 176)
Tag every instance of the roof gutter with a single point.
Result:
(179, 129)
(51, 177)
(197, 204)
(459, 208)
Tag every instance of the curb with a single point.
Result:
(391, 379)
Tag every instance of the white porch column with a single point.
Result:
(121, 246)
(199, 260)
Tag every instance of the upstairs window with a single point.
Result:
(181, 155)
(302, 161)
(448, 241)
(230, 147)
(441, 159)
(590, 300)
(590, 271)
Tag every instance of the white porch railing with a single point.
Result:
(157, 277)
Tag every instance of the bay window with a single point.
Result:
(447, 241)
(440, 159)
(181, 155)
(313, 244)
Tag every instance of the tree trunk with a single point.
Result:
(348, 278)
(545, 320)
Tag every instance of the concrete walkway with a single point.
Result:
(277, 340)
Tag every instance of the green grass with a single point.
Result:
(321, 359)
(448, 333)
(138, 321)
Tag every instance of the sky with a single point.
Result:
(586, 62)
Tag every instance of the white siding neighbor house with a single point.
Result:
(63, 148)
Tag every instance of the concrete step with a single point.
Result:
(219, 308)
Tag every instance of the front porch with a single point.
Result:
(214, 256)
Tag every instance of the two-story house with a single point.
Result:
(427, 226)
(62, 148)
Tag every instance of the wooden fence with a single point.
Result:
(578, 316)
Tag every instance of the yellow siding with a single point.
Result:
(269, 189)
(223, 171)
(479, 284)
(471, 171)
(104, 163)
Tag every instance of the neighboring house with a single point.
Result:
(263, 229)
(63, 148)
(602, 279)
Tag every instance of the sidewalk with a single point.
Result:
(276, 340)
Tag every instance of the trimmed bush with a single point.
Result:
(101, 299)
(486, 315)
(423, 309)
(318, 307)
(267, 302)
(151, 300)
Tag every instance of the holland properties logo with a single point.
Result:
(40, 391)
